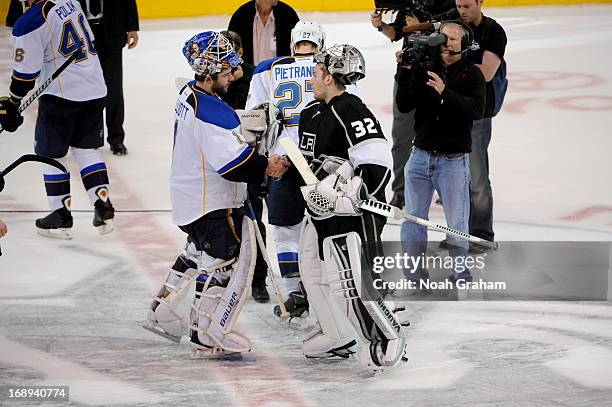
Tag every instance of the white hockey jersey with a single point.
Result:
(206, 146)
(44, 37)
(284, 82)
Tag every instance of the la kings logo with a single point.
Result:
(307, 143)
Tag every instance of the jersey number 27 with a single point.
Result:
(291, 97)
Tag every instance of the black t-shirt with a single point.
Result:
(443, 123)
(495, 42)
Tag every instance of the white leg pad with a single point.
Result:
(382, 334)
(334, 330)
(214, 314)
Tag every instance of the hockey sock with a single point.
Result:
(286, 239)
(57, 185)
(93, 173)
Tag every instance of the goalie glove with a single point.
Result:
(336, 194)
(260, 127)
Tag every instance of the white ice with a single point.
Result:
(70, 311)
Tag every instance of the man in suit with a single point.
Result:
(115, 25)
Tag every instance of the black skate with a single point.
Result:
(104, 214)
(57, 224)
(296, 306)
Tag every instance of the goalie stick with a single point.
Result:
(45, 84)
(373, 206)
(264, 253)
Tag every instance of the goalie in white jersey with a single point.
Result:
(70, 110)
(211, 165)
(285, 83)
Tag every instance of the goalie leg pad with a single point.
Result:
(167, 316)
(333, 332)
(381, 332)
(220, 295)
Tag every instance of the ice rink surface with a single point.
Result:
(71, 311)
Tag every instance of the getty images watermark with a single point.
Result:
(459, 264)
(518, 270)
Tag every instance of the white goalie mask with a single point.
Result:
(344, 62)
(308, 31)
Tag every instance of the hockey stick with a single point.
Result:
(381, 208)
(374, 206)
(264, 253)
(45, 84)
(29, 158)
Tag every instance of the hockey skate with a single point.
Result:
(202, 351)
(57, 224)
(297, 307)
(152, 325)
(316, 345)
(104, 214)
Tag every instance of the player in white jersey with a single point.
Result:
(70, 110)
(285, 83)
(211, 165)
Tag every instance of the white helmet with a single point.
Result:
(308, 31)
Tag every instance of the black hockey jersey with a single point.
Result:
(346, 128)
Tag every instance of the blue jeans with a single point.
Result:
(449, 175)
(481, 208)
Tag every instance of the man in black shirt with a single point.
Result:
(402, 130)
(447, 100)
(492, 40)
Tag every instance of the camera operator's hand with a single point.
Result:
(376, 19)
(398, 55)
(411, 20)
(436, 82)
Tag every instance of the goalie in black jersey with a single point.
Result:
(343, 140)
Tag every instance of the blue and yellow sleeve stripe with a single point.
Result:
(237, 162)
(26, 77)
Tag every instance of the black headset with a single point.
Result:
(467, 40)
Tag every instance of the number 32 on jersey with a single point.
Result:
(363, 127)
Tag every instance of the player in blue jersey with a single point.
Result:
(70, 110)
(285, 82)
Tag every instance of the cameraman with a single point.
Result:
(447, 100)
(402, 131)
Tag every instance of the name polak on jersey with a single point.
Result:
(293, 72)
(61, 11)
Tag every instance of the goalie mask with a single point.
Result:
(308, 31)
(344, 62)
(209, 52)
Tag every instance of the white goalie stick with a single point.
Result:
(373, 206)
(45, 84)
